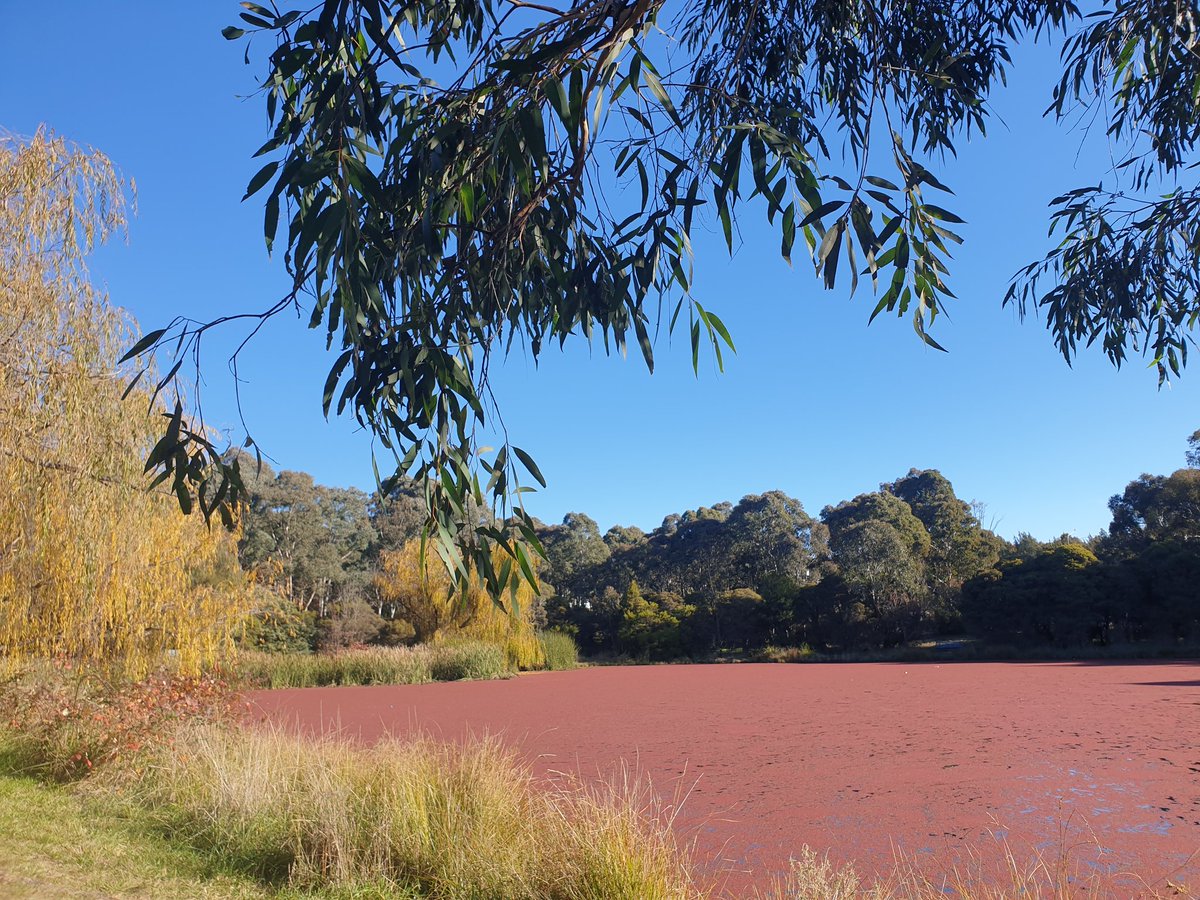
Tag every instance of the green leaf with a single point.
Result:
(133, 383)
(271, 221)
(829, 251)
(261, 177)
(919, 327)
(661, 95)
(924, 175)
(893, 224)
(789, 232)
(821, 211)
(832, 236)
(331, 382)
(643, 336)
(183, 494)
(902, 251)
(530, 465)
(147, 340)
(945, 215)
(526, 568)
(166, 379)
(556, 93)
(715, 322)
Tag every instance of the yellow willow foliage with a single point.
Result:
(93, 566)
(425, 598)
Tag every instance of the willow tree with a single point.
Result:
(93, 565)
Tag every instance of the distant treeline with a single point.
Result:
(910, 560)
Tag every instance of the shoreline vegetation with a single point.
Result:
(200, 805)
(472, 660)
(250, 813)
(419, 664)
(881, 576)
(968, 650)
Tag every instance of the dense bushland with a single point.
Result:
(874, 573)
(909, 561)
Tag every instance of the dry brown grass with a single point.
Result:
(440, 820)
(1013, 875)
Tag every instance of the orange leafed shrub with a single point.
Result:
(63, 725)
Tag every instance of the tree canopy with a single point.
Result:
(910, 562)
(95, 568)
(449, 179)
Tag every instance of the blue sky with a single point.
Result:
(815, 403)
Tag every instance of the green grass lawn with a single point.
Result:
(55, 842)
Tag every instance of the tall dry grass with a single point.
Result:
(1006, 875)
(444, 821)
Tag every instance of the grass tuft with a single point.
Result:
(1063, 876)
(468, 660)
(560, 650)
(440, 820)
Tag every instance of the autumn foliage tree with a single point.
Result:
(425, 596)
(93, 565)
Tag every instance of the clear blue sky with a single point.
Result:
(815, 403)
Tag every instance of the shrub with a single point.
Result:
(62, 725)
(395, 633)
(277, 626)
(803, 653)
(812, 877)
(559, 650)
(353, 623)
